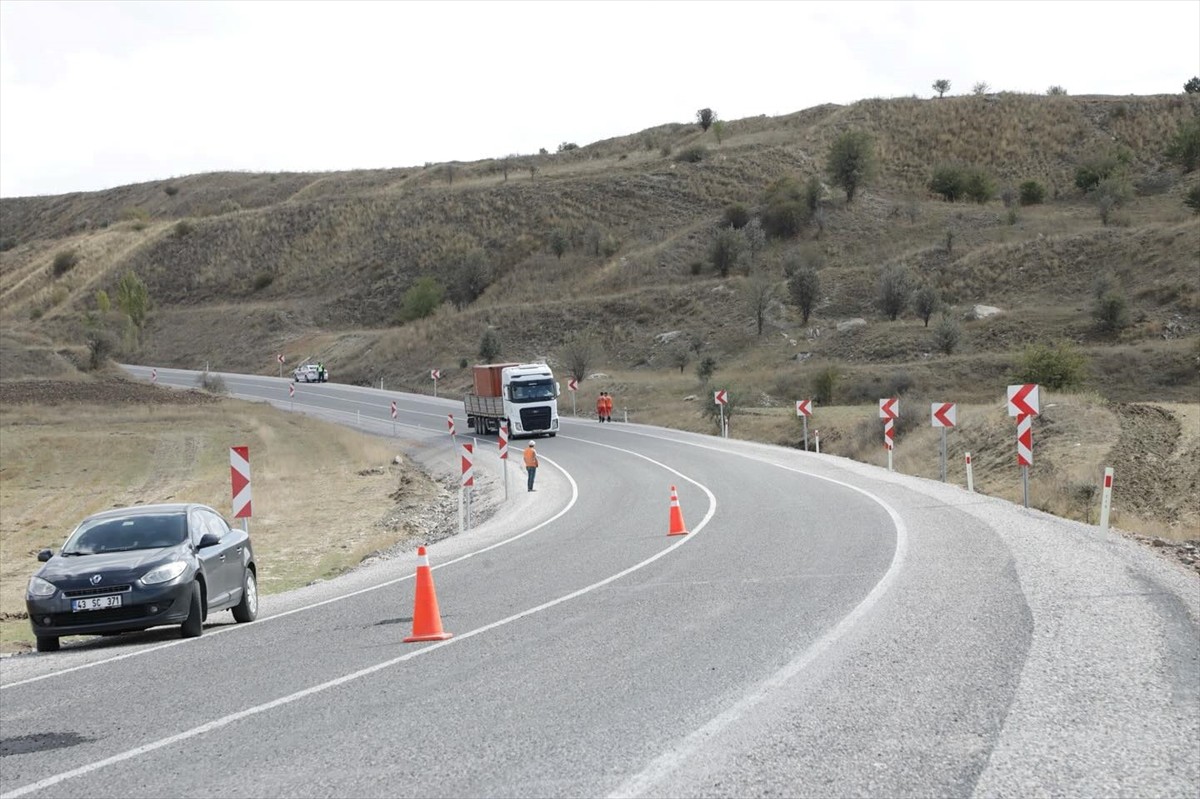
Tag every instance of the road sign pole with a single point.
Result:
(817, 437)
(890, 459)
(435, 386)
(1106, 499)
(721, 408)
(573, 411)
(1025, 484)
(805, 418)
(970, 475)
(943, 469)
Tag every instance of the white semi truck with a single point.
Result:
(523, 394)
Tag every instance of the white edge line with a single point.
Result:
(284, 700)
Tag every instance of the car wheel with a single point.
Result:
(193, 625)
(247, 609)
(47, 643)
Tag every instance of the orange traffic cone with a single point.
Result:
(676, 527)
(427, 621)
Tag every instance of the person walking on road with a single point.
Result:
(600, 407)
(607, 407)
(531, 463)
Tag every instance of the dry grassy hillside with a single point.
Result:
(241, 266)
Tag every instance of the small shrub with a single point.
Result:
(1012, 217)
(421, 299)
(170, 190)
(1056, 91)
(824, 385)
(262, 280)
(696, 267)
(736, 216)
(182, 228)
(64, 262)
(1184, 147)
(1192, 200)
(665, 151)
(1111, 312)
(35, 314)
(462, 363)
(567, 147)
(7, 244)
(228, 206)
(489, 346)
(100, 344)
(705, 368)
(1192, 86)
(212, 383)
(979, 185)
(692, 155)
(948, 180)
(1032, 193)
(1055, 368)
(785, 209)
(1008, 196)
(59, 295)
(947, 335)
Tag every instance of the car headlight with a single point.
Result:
(161, 574)
(40, 587)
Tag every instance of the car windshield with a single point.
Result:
(144, 531)
(531, 391)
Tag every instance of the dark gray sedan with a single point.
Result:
(134, 568)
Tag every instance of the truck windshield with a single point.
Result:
(531, 391)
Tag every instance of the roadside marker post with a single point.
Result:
(434, 374)
(154, 376)
(804, 410)
(239, 478)
(393, 418)
(943, 415)
(573, 386)
(970, 475)
(1024, 403)
(466, 461)
(279, 358)
(291, 397)
(818, 437)
(721, 398)
(503, 441)
(889, 411)
(1106, 499)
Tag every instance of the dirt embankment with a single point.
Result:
(107, 391)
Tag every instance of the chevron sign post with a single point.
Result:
(1024, 403)
(393, 410)
(466, 458)
(573, 386)
(721, 398)
(153, 375)
(943, 415)
(279, 358)
(434, 374)
(804, 410)
(889, 412)
(503, 441)
(239, 476)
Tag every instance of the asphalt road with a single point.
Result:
(826, 628)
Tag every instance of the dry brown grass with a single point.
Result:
(320, 491)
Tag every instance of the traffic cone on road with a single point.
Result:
(676, 527)
(427, 621)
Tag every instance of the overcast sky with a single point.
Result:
(102, 94)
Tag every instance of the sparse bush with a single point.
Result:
(726, 250)
(103, 304)
(212, 383)
(1192, 86)
(1055, 368)
(100, 344)
(1111, 312)
(949, 180)
(706, 116)
(462, 363)
(567, 146)
(680, 357)
(692, 155)
(1112, 192)
(170, 190)
(851, 162)
(941, 86)
(804, 287)
(925, 301)
(696, 267)
(665, 151)
(133, 299)
(1008, 196)
(1184, 148)
(228, 206)
(893, 290)
(1032, 193)
(1012, 217)
(7, 244)
(559, 241)
(1091, 172)
(979, 185)
(1056, 91)
(421, 299)
(134, 214)
(35, 313)
(946, 335)
(736, 216)
(489, 346)
(64, 261)
(824, 385)
(785, 209)
(578, 355)
(262, 280)
(980, 88)
(706, 368)
(1192, 200)
(718, 129)
(182, 228)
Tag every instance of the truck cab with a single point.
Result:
(523, 394)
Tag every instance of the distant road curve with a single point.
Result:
(826, 628)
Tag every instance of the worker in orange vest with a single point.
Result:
(600, 406)
(607, 407)
(531, 463)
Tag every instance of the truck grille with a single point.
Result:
(535, 418)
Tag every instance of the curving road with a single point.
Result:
(826, 628)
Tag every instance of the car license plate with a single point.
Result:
(96, 603)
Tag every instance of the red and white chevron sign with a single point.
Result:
(504, 441)
(944, 414)
(721, 397)
(450, 423)
(291, 390)
(1025, 439)
(153, 375)
(889, 408)
(468, 468)
(279, 357)
(804, 407)
(1023, 399)
(572, 385)
(239, 475)
(435, 373)
(393, 409)
(889, 433)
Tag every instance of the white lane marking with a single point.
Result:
(458, 638)
(675, 758)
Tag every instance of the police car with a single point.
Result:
(310, 373)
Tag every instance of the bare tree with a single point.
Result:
(578, 354)
(706, 116)
(981, 88)
(680, 357)
(759, 293)
(804, 287)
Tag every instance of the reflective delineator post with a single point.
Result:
(504, 454)
(970, 475)
(817, 438)
(1106, 499)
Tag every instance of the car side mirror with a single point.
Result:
(208, 540)
(45, 555)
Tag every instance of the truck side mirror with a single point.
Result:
(557, 390)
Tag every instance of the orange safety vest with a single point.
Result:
(530, 457)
